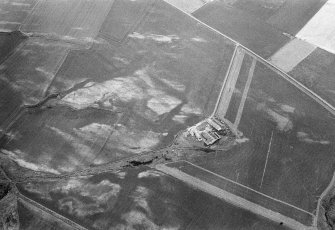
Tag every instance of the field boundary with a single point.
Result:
(246, 187)
(110, 38)
(206, 2)
(203, 2)
(42, 208)
(281, 73)
(232, 198)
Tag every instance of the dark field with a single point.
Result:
(139, 199)
(317, 73)
(10, 102)
(243, 27)
(118, 25)
(10, 99)
(8, 42)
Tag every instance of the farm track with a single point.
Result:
(231, 198)
(65, 220)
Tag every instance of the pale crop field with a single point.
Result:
(188, 6)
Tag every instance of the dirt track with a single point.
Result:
(231, 198)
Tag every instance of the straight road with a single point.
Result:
(229, 85)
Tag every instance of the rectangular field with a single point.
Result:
(245, 28)
(10, 102)
(32, 68)
(291, 54)
(74, 19)
(118, 25)
(13, 13)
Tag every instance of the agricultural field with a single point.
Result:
(8, 42)
(10, 99)
(287, 58)
(234, 187)
(10, 102)
(258, 8)
(59, 139)
(118, 25)
(291, 23)
(316, 72)
(262, 26)
(32, 218)
(69, 20)
(285, 15)
(286, 139)
(115, 102)
(14, 13)
(31, 68)
(142, 198)
(196, 57)
(188, 6)
(95, 94)
(276, 26)
(242, 26)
